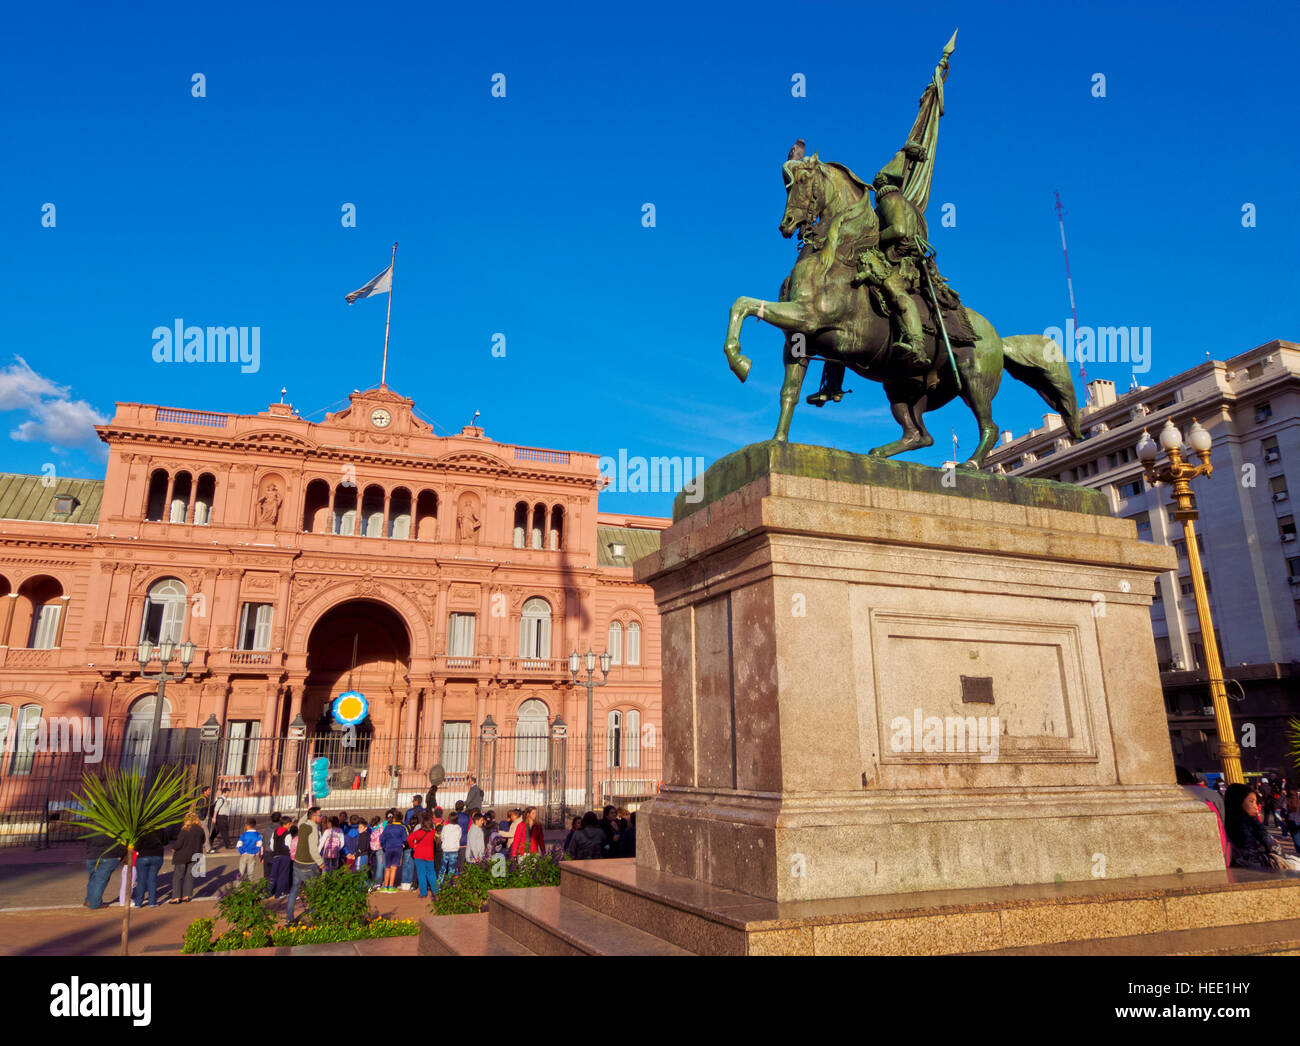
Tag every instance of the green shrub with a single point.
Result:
(467, 893)
(198, 937)
(243, 908)
(339, 898)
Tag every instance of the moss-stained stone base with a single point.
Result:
(813, 600)
(743, 466)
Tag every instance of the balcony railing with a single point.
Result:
(23, 657)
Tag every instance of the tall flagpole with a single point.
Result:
(392, 270)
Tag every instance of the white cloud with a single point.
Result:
(53, 417)
(21, 388)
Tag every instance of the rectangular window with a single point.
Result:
(1180, 546)
(1271, 452)
(1263, 411)
(1277, 487)
(460, 637)
(1286, 527)
(455, 747)
(241, 747)
(255, 626)
(1131, 489)
(1293, 567)
(632, 740)
(633, 643)
(24, 746)
(45, 626)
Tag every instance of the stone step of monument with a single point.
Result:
(465, 935)
(545, 922)
(1188, 914)
(1273, 938)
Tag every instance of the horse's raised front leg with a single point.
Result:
(787, 315)
(741, 310)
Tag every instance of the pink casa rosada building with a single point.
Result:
(445, 578)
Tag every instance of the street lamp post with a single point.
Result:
(588, 661)
(1180, 473)
(144, 654)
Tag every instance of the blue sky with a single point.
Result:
(523, 216)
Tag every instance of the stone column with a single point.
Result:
(63, 620)
(10, 603)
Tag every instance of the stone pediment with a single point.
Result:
(274, 438)
(473, 461)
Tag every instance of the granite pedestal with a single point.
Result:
(881, 678)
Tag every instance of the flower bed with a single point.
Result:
(340, 911)
(467, 893)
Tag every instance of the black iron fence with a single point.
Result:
(258, 775)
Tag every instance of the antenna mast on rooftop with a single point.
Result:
(1069, 284)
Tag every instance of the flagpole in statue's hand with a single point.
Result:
(948, 49)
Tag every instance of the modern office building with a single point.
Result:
(1250, 404)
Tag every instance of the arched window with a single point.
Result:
(164, 612)
(180, 504)
(614, 739)
(535, 629)
(539, 526)
(372, 512)
(632, 739)
(426, 516)
(557, 528)
(345, 509)
(633, 643)
(24, 741)
(157, 499)
(399, 514)
(45, 596)
(6, 721)
(135, 742)
(315, 507)
(203, 500)
(532, 731)
(521, 525)
(615, 643)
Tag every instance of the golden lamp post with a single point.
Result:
(1180, 473)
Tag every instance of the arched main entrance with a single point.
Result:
(358, 645)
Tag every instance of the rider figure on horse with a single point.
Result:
(892, 268)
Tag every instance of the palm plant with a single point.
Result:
(124, 809)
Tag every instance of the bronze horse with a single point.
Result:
(828, 313)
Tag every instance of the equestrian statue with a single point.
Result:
(865, 295)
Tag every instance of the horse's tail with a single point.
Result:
(1037, 361)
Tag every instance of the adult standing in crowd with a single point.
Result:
(103, 855)
(203, 807)
(221, 809)
(474, 797)
(529, 837)
(188, 845)
(587, 842)
(148, 860)
(308, 863)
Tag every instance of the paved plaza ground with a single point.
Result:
(41, 913)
